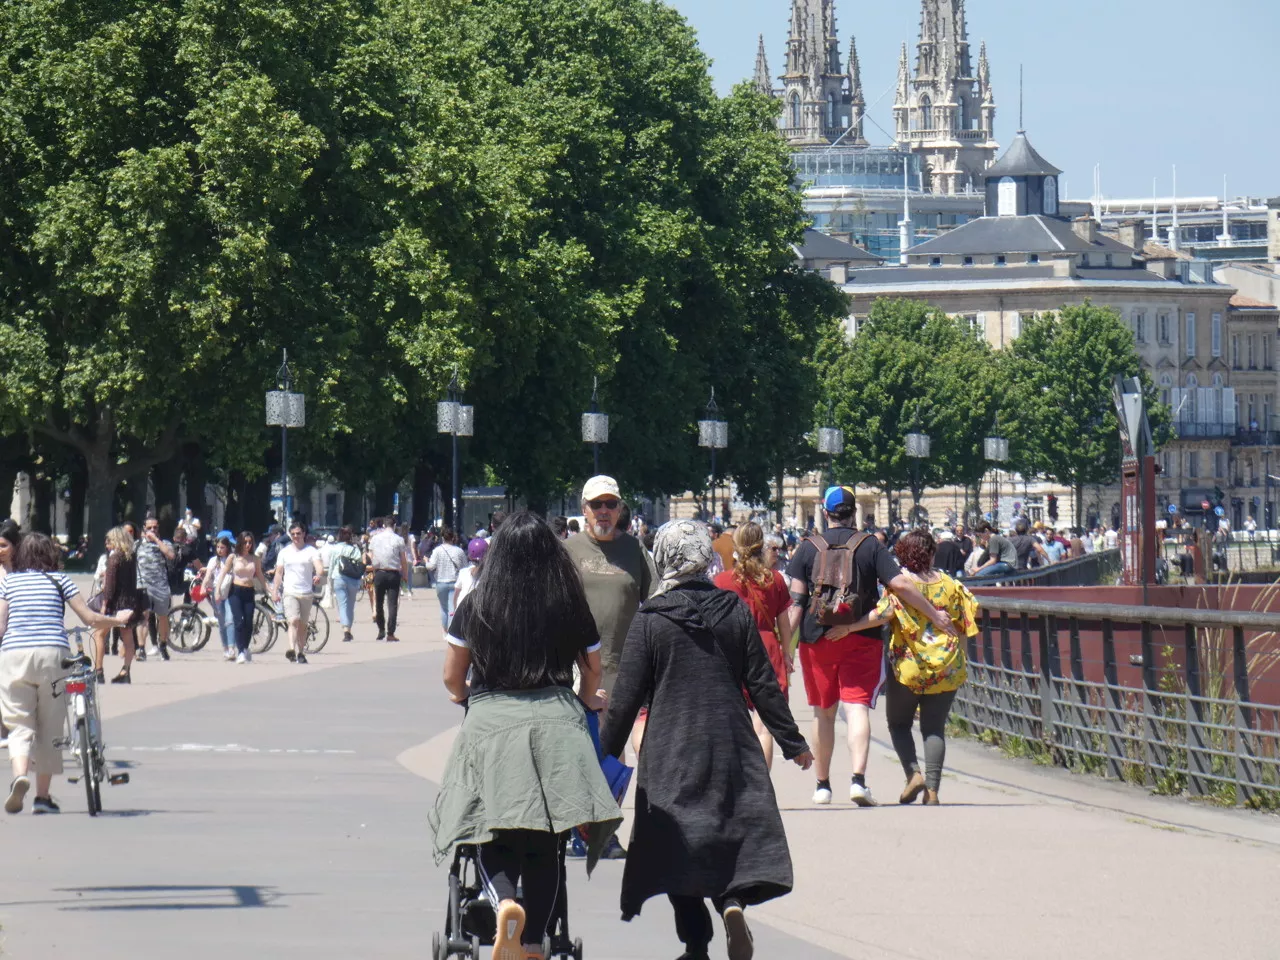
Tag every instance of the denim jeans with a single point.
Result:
(226, 626)
(444, 591)
(997, 570)
(345, 590)
(240, 603)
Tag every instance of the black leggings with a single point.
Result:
(900, 712)
(693, 922)
(533, 858)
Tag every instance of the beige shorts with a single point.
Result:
(35, 718)
(298, 608)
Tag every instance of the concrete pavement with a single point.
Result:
(280, 811)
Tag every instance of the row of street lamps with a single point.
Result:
(287, 409)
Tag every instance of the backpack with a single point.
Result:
(273, 550)
(835, 598)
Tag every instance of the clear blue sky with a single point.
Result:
(1135, 85)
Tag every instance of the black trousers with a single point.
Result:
(386, 588)
(530, 858)
(693, 921)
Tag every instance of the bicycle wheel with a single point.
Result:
(86, 762)
(317, 630)
(264, 631)
(188, 631)
(99, 754)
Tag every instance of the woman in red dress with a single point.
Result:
(765, 593)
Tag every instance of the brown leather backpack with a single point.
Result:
(835, 598)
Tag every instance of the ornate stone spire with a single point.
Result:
(984, 75)
(904, 78)
(857, 101)
(763, 82)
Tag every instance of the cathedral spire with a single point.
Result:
(857, 101)
(763, 82)
(984, 75)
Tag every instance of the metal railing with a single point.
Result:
(1092, 569)
(1050, 674)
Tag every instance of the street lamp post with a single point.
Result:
(918, 444)
(455, 418)
(996, 450)
(285, 409)
(713, 433)
(595, 425)
(830, 442)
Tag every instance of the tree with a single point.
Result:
(1058, 406)
(910, 366)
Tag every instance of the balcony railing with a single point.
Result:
(1255, 438)
(1190, 430)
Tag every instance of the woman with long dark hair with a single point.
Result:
(10, 536)
(236, 582)
(523, 770)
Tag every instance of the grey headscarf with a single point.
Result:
(681, 553)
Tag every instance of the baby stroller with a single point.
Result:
(471, 923)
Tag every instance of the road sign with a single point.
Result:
(1219, 511)
(1173, 508)
(277, 490)
(1205, 504)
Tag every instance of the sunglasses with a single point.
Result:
(603, 504)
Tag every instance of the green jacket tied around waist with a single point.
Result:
(523, 760)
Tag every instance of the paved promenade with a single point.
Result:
(279, 811)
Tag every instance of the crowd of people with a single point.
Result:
(682, 640)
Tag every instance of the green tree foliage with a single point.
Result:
(909, 366)
(1058, 407)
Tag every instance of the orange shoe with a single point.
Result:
(506, 944)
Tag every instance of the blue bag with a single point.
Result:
(615, 771)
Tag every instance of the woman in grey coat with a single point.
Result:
(707, 824)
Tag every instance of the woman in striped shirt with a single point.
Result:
(33, 641)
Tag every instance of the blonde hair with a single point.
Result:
(748, 547)
(118, 539)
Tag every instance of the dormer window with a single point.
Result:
(968, 261)
(1033, 258)
(1084, 259)
(1001, 260)
(1110, 261)
(1007, 197)
(935, 262)
(1051, 196)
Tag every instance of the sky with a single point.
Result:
(1134, 85)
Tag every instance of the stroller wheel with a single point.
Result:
(435, 948)
(475, 948)
(577, 949)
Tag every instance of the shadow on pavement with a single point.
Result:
(166, 897)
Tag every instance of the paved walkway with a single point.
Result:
(279, 811)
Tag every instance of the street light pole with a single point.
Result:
(455, 418)
(713, 433)
(830, 442)
(285, 409)
(595, 425)
(996, 450)
(918, 445)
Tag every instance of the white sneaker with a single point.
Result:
(228, 654)
(861, 795)
(242, 658)
(153, 651)
(822, 796)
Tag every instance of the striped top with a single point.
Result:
(36, 609)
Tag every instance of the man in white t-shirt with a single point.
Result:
(1111, 538)
(298, 572)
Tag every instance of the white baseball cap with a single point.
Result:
(600, 486)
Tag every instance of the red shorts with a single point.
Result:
(851, 670)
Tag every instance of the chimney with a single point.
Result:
(1086, 229)
(1133, 233)
(1273, 231)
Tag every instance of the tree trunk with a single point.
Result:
(384, 493)
(197, 477)
(781, 502)
(352, 505)
(8, 481)
(233, 513)
(424, 482)
(75, 505)
(167, 477)
(101, 485)
(41, 519)
(1079, 498)
(135, 502)
(257, 504)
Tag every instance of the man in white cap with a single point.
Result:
(616, 572)
(618, 576)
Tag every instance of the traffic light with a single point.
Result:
(1053, 508)
(1218, 496)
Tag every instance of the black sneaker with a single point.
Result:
(291, 655)
(613, 850)
(346, 637)
(381, 635)
(302, 658)
(740, 943)
(44, 805)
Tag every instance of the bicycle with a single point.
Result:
(268, 623)
(189, 628)
(82, 731)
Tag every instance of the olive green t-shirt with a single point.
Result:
(618, 576)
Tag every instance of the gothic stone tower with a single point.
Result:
(945, 113)
(820, 100)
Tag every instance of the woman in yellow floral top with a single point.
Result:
(928, 668)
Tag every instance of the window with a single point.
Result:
(968, 261)
(926, 113)
(832, 119)
(1215, 336)
(1252, 409)
(1249, 352)
(1193, 464)
(1191, 334)
(1033, 258)
(1109, 261)
(1007, 197)
(1162, 327)
(977, 324)
(1266, 411)
(1084, 259)
(1015, 325)
(1219, 465)
(795, 110)
(1001, 260)
(935, 262)
(1166, 388)
(1266, 351)
(1140, 326)
(1051, 196)
(1235, 351)
(1166, 465)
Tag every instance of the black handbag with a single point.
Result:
(350, 567)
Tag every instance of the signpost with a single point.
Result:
(1137, 485)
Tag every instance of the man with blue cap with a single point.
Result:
(834, 577)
